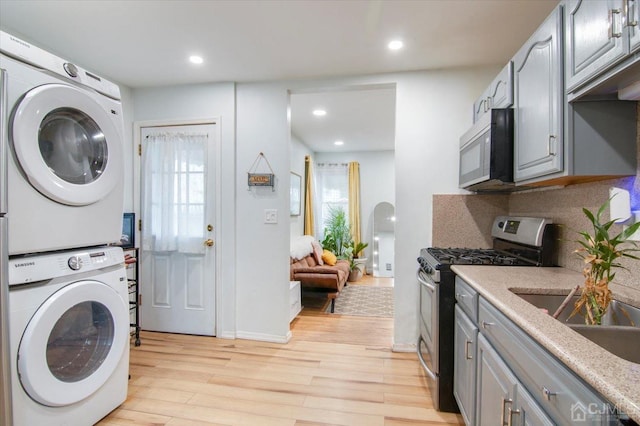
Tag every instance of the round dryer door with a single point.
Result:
(67, 144)
(73, 343)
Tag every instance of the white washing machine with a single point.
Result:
(69, 340)
(65, 166)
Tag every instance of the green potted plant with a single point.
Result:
(337, 233)
(601, 252)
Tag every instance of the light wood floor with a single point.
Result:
(336, 370)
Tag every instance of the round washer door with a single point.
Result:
(67, 144)
(73, 343)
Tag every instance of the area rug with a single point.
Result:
(365, 301)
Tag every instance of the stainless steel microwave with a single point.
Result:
(486, 153)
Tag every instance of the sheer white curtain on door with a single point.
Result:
(332, 191)
(173, 192)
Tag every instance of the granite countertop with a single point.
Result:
(616, 379)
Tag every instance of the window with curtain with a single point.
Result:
(174, 192)
(332, 191)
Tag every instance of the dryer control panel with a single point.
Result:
(28, 53)
(42, 267)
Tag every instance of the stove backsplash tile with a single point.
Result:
(465, 220)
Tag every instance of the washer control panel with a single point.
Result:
(75, 263)
(42, 267)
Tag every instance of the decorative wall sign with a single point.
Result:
(260, 179)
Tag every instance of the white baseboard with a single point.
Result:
(226, 335)
(403, 347)
(263, 337)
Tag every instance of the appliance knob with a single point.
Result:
(500, 225)
(71, 69)
(75, 262)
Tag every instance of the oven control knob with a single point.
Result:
(500, 225)
(75, 262)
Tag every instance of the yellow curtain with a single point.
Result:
(354, 200)
(308, 196)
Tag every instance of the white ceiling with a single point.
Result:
(363, 119)
(146, 43)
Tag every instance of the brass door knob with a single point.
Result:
(208, 243)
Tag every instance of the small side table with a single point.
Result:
(295, 305)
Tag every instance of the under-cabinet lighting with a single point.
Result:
(338, 143)
(319, 112)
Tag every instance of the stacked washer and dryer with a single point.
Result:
(67, 297)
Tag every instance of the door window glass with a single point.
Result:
(72, 145)
(80, 341)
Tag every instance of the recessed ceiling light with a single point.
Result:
(338, 143)
(319, 112)
(194, 59)
(395, 45)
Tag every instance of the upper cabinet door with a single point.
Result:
(499, 94)
(632, 22)
(538, 102)
(596, 38)
(501, 89)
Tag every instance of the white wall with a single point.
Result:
(262, 265)
(433, 108)
(195, 102)
(377, 184)
(298, 151)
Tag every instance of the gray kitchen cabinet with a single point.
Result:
(464, 365)
(553, 388)
(633, 24)
(601, 38)
(496, 386)
(539, 102)
(528, 411)
(513, 377)
(594, 38)
(501, 398)
(499, 94)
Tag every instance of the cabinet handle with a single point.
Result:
(629, 12)
(510, 415)
(612, 24)
(547, 393)
(466, 349)
(551, 141)
(503, 407)
(486, 324)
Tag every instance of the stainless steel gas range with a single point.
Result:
(517, 241)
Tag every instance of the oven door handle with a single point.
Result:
(423, 282)
(423, 362)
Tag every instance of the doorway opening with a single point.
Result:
(336, 127)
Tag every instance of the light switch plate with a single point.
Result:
(270, 216)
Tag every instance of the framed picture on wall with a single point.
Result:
(294, 194)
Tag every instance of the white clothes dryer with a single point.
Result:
(69, 340)
(65, 168)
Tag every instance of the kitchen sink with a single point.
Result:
(618, 334)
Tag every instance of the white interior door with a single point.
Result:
(177, 260)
